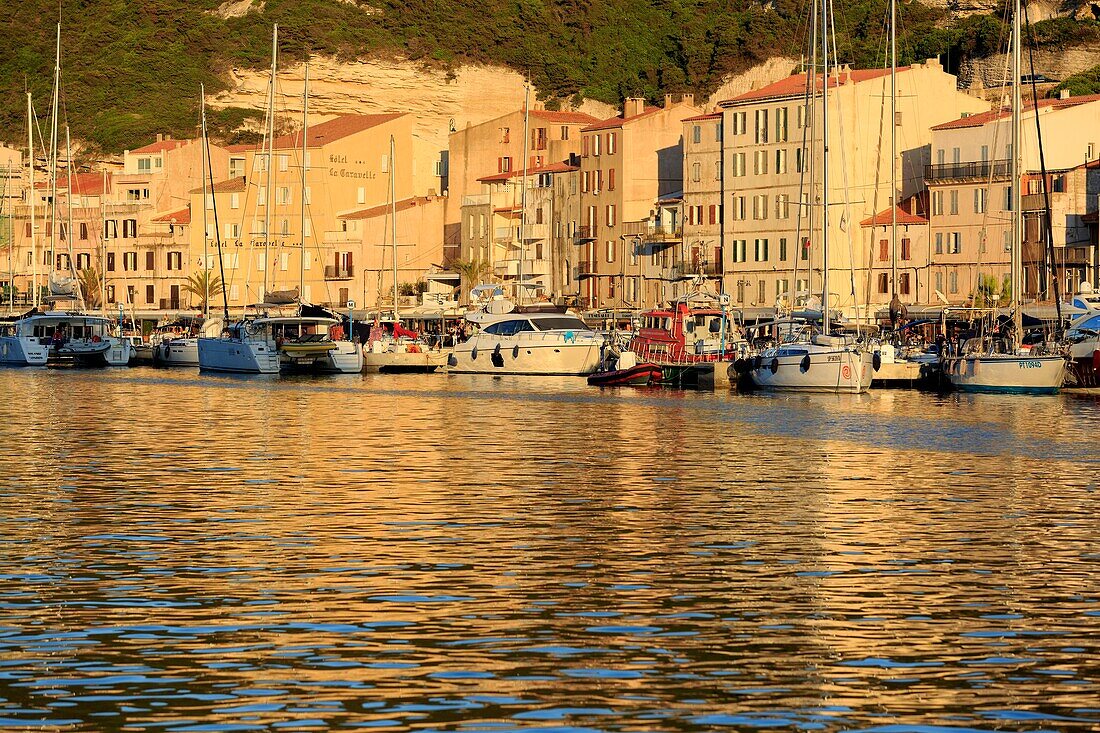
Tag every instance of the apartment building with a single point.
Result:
(702, 251)
(419, 254)
(496, 146)
(631, 175)
(970, 193)
(1074, 196)
(530, 254)
(265, 213)
(913, 257)
(772, 164)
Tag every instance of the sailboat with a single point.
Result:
(991, 363)
(817, 362)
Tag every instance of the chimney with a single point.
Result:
(1063, 94)
(668, 101)
(160, 137)
(688, 99)
(633, 106)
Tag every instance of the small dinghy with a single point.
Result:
(627, 373)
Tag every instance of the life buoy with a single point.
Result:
(846, 372)
(336, 333)
(96, 339)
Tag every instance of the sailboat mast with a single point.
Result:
(302, 223)
(393, 227)
(1017, 199)
(103, 244)
(523, 189)
(54, 226)
(893, 148)
(30, 199)
(217, 229)
(205, 232)
(825, 325)
(270, 199)
(11, 244)
(69, 213)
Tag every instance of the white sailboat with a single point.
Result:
(998, 364)
(822, 362)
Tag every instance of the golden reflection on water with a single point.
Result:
(440, 552)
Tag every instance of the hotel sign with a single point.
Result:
(357, 169)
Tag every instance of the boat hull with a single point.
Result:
(23, 351)
(482, 355)
(1006, 374)
(842, 370)
(639, 375)
(177, 353)
(337, 357)
(236, 356)
(403, 362)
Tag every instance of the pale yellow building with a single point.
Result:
(772, 164)
(969, 188)
(628, 163)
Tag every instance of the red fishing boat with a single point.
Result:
(693, 332)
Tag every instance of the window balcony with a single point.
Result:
(975, 170)
(585, 233)
(332, 272)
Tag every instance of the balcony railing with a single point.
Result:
(653, 232)
(332, 272)
(975, 169)
(586, 232)
(586, 267)
(481, 199)
(1037, 201)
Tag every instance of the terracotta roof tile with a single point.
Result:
(183, 216)
(983, 118)
(84, 184)
(565, 118)
(883, 218)
(617, 121)
(384, 209)
(707, 116)
(795, 85)
(229, 185)
(561, 167)
(160, 146)
(323, 133)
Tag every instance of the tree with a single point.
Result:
(89, 284)
(473, 272)
(203, 285)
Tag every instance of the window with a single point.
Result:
(610, 179)
(738, 164)
(939, 243)
(284, 261)
(361, 195)
(883, 251)
(760, 207)
(83, 261)
(236, 167)
(261, 260)
(234, 201)
(83, 230)
(783, 206)
(906, 249)
(782, 286)
(718, 170)
(585, 181)
(597, 181)
(611, 215)
(610, 251)
(144, 165)
(1007, 199)
(150, 260)
(953, 243)
(261, 196)
(883, 283)
(738, 208)
(761, 126)
(799, 159)
(505, 135)
(129, 261)
(937, 203)
(783, 256)
(385, 164)
(760, 162)
(284, 162)
(110, 293)
(781, 125)
(129, 228)
(903, 283)
(504, 165)
(696, 134)
(718, 133)
(954, 201)
(781, 160)
(985, 153)
(175, 260)
(801, 117)
(564, 132)
(232, 231)
(739, 247)
(953, 281)
(596, 145)
(150, 294)
(761, 291)
(805, 251)
(713, 214)
(761, 250)
(284, 227)
(739, 126)
(939, 281)
(696, 172)
(610, 143)
(282, 196)
(979, 200)
(234, 292)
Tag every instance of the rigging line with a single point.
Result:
(1047, 218)
(846, 218)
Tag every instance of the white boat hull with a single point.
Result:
(234, 355)
(1006, 373)
(842, 370)
(403, 361)
(487, 354)
(346, 358)
(23, 351)
(177, 353)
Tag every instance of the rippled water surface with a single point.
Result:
(185, 553)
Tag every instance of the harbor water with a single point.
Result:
(196, 553)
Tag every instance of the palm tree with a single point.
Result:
(89, 284)
(473, 272)
(202, 285)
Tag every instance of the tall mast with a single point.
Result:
(393, 227)
(1017, 200)
(217, 230)
(205, 233)
(825, 325)
(11, 243)
(103, 244)
(305, 132)
(30, 199)
(270, 200)
(69, 213)
(54, 226)
(523, 189)
(893, 149)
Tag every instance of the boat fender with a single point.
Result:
(1096, 360)
(876, 361)
(804, 365)
(775, 364)
(496, 357)
(515, 351)
(473, 353)
(756, 361)
(740, 366)
(452, 360)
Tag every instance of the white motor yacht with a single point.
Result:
(540, 343)
(245, 347)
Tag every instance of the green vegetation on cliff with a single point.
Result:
(131, 69)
